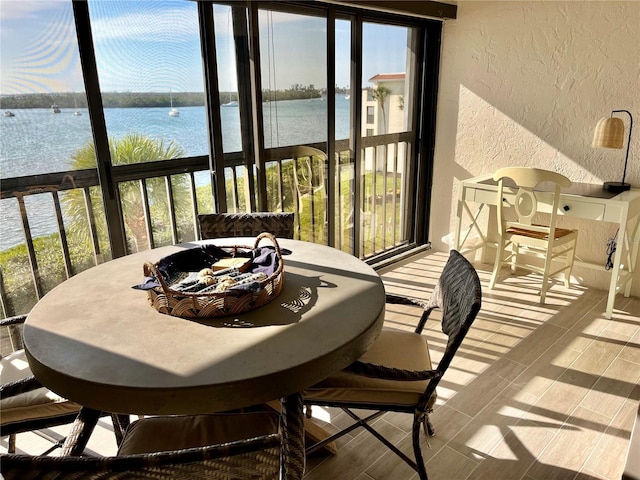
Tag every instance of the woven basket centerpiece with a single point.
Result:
(215, 281)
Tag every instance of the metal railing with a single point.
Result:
(162, 208)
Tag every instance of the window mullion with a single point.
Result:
(245, 100)
(110, 196)
(212, 105)
(256, 98)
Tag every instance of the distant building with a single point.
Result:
(388, 116)
(382, 117)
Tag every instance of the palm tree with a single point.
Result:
(132, 148)
(380, 94)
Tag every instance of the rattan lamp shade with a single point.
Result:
(609, 133)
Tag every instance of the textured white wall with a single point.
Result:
(524, 83)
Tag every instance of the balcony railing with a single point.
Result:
(160, 203)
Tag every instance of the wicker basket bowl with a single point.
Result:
(178, 303)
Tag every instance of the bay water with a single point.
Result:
(37, 141)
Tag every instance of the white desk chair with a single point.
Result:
(543, 242)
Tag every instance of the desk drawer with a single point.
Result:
(582, 209)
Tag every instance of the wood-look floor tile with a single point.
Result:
(448, 464)
(481, 434)
(471, 401)
(611, 390)
(586, 474)
(610, 453)
(595, 360)
(447, 423)
(516, 451)
(390, 466)
(566, 453)
(571, 313)
(540, 375)
(535, 344)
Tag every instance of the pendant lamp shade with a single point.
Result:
(609, 133)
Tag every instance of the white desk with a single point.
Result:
(585, 201)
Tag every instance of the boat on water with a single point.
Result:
(9, 113)
(77, 113)
(230, 104)
(173, 112)
(55, 108)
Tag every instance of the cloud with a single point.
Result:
(20, 10)
(145, 24)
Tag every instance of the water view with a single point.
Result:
(37, 141)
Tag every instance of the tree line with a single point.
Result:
(143, 99)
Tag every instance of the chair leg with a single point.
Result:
(12, 443)
(570, 258)
(497, 264)
(120, 424)
(364, 423)
(357, 424)
(515, 251)
(430, 430)
(417, 451)
(545, 276)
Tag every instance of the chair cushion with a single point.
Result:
(161, 434)
(36, 404)
(391, 349)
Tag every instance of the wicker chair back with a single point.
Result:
(217, 225)
(257, 458)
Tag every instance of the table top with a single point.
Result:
(577, 189)
(95, 340)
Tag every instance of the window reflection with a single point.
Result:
(227, 79)
(150, 71)
(294, 78)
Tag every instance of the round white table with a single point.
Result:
(95, 340)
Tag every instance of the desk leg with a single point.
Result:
(81, 430)
(462, 236)
(456, 242)
(632, 255)
(617, 260)
(293, 432)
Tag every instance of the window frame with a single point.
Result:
(427, 51)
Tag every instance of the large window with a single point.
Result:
(389, 66)
(44, 128)
(126, 119)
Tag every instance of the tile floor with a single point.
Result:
(536, 392)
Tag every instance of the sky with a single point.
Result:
(153, 45)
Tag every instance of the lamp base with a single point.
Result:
(616, 186)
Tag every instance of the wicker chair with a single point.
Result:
(396, 373)
(216, 225)
(25, 404)
(219, 446)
